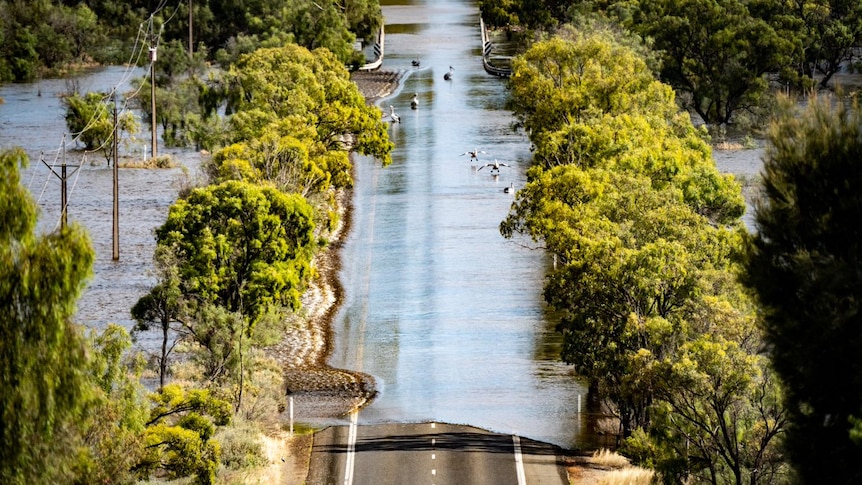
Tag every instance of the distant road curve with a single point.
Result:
(430, 454)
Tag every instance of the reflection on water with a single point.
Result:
(445, 313)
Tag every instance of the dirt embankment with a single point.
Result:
(317, 389)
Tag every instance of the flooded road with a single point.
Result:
(445, 313)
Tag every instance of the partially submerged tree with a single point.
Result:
(289, 87)
(90, 120)
(647, 239)
(717, 52)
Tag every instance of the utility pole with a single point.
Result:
(191, 43)
(63, 176)
(153, 57)
(115, 149)
(64, 199)
(191, 39)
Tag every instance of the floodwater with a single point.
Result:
(32, 117)
(445, 313)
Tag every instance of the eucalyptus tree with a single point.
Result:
(805, 268)
(163, 306)
(719, 415)
(178, 441)
(296, 116)
(90, 120)
(829, 31)
(45, 391)
(647, 238)
(243, 251)
(634, 261)
(718, 53)
(589, 100)
(293, 82)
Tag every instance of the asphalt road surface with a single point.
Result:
(430, 454)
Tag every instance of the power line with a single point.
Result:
(146, 36)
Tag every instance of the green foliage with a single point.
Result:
(45, 387)
(178, 439)
(114, 429)
(308, 89)
(646, 237)
(295, 116)
(589, 100)
(90, 119)
(241, 246)
(720, 415)
(634, 259)
(241, 447)
(530, 14)
(829, 30)
(804, 266)
(579, 76)
(162, 306)
(243, 252)
(48, 35)
(44, 36)
(717, 52)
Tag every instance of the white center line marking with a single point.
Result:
(519, 461)
(351, 448)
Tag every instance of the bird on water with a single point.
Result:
(414, 103)
(474, 154)
(448, 75)
(495, 166)
(510, 189)
(393, 115)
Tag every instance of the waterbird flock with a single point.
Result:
(474, 154)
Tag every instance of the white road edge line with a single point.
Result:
(351, 448)
(519, 461)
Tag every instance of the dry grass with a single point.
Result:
(606, 467)
(287, 458)
(162, 161)
(728, 145)
(609, 459)
(627, 476)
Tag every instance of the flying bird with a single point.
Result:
(474, 154)
(393, 115)
(495, 166)
(448, 75)
(414, 103)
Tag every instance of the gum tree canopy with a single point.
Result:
(241, 246)
(42, 354)
(296, 116)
